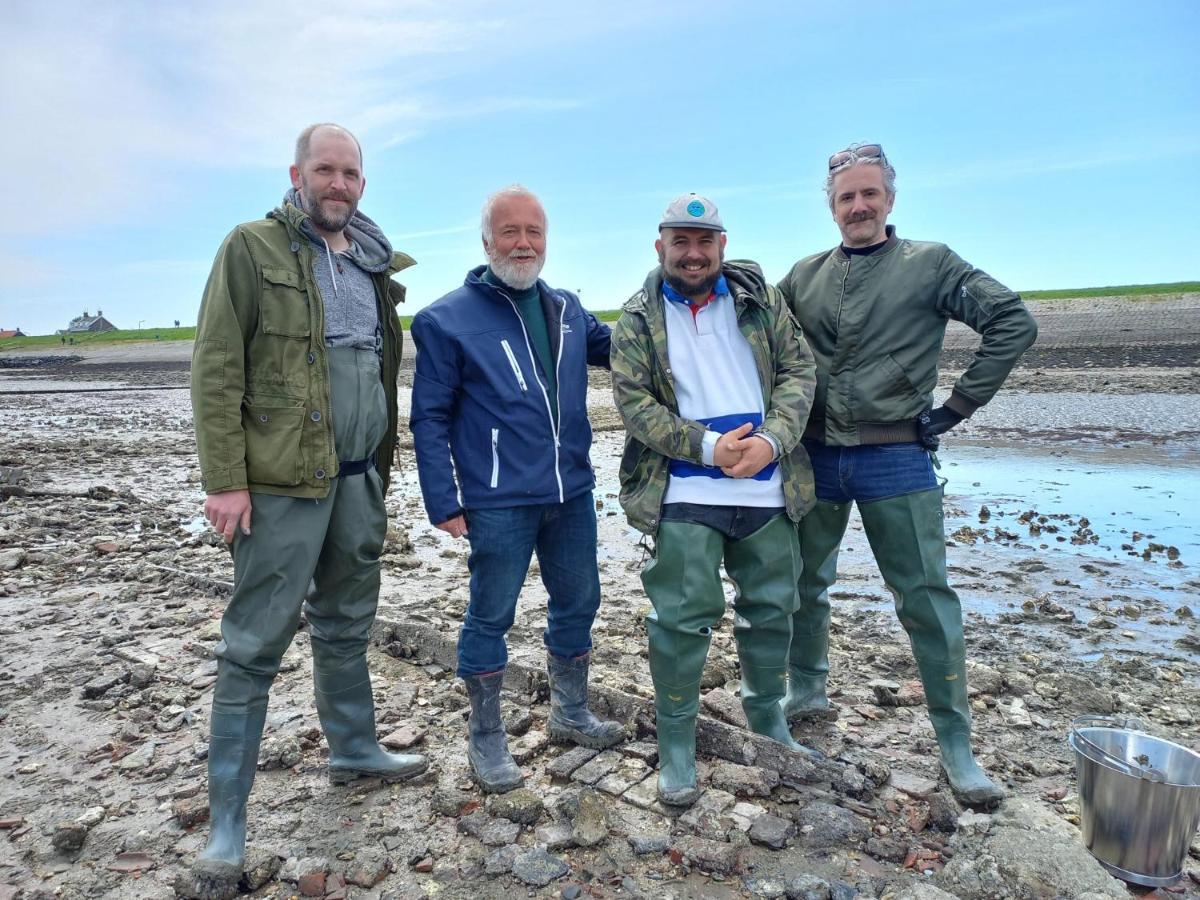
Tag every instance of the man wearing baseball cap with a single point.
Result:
(714, 383)
(875, 309)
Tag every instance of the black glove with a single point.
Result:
(934, 422)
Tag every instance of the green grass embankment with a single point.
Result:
(1120, 290)
(188, 333)
(120, 336)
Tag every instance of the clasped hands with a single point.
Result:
(741, 454)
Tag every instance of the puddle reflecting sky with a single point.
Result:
(1119, 490)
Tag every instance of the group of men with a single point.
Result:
(755, 414)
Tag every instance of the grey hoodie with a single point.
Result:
(351, 316)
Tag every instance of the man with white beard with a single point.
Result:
(500, 428)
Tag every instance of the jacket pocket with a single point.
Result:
(283, 310)
(516, 367)
(495, 482)
(273, 427)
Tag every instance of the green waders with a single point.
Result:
(683, 583)
(820, 534)
(907, 536)
(333, 542)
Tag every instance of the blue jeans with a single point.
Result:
(871, 472)
(502, 543)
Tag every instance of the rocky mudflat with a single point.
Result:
(111, 591)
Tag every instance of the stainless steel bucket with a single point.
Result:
(1139, 798)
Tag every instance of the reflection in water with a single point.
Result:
(1135, 497)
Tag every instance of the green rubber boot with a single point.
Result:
(235, 732)
(570, 719)
(907, 536)
(950, 712)
(346, 709)
(820, 534)
(765, 567)
(487, 743)
(683, 583)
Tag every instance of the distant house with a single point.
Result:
(11, 332)
(89, 324)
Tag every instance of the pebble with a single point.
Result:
(590, 825)
(771, 831)
(538, 868)
(644, 844)
(522, 806)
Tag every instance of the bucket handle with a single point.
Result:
(1149, 773)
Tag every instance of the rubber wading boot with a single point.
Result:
(234, 738)
(346, 709)
(907, 536)
(683, 583)
(570, 719)
(765, 567)
(487, 744)
(675, 720)
(950, 712)
(820, 533)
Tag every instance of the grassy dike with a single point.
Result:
(1133, 291)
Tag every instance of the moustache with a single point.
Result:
(861, 217)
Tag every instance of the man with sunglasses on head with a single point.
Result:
(874, 310)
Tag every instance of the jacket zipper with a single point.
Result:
(512, 361)
(545, 393)
(495, 457)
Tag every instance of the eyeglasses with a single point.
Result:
(853, 152)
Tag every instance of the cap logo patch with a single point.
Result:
(695, 208)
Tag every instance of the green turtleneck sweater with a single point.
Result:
(529, 306)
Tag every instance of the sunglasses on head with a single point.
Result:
(851, 153)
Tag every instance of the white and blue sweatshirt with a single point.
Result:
(716, 383)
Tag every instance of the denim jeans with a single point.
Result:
(734, 522)
(502, 543)
(870, 472)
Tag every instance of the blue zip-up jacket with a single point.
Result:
(479, 399)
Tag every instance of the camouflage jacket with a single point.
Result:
(645, 392)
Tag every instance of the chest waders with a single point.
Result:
(907, 538)
(334, 543)
(683, 582)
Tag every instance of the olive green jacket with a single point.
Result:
(655, 433)
(875, 324)
(260, 382)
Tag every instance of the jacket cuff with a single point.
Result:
(961, 404)
(214, 481)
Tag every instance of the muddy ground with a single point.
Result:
(111, 592)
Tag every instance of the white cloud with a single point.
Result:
(106, 110)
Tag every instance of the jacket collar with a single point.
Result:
(375, 251)
(744, 277)
(889, 245)
(475, 280)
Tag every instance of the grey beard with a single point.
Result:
(323, 221)
(507, 271)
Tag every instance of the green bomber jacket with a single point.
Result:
(876, 323)
(260, 381)
(644, 390)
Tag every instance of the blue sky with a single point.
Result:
(1053, 144)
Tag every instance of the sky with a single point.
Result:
(1052, 144)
